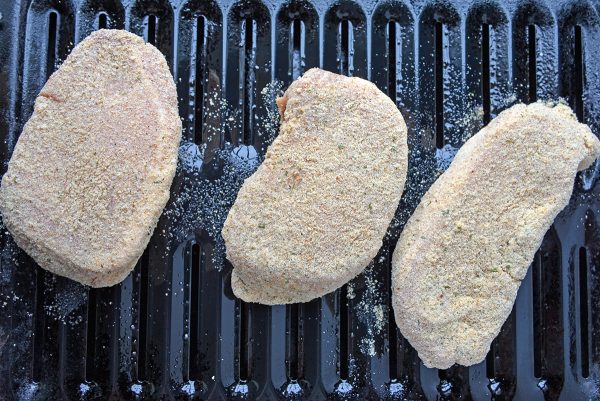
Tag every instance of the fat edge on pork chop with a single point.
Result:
(91, 171)
(314, 214)
(464, 251)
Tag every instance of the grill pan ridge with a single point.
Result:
(173, 329)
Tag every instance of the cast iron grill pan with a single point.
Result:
(174, 330)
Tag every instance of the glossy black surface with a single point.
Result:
(173, 329)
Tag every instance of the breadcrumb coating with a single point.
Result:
(463, 253)
(314, 214)
(91, 171)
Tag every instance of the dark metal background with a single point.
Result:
(173, 330)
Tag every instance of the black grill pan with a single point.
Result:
(173, 329)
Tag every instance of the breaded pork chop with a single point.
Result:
(91, 171)
(315, 212)
(465, 250)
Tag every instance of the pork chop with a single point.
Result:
(91, 171)
(315, 212)
(463, 253)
